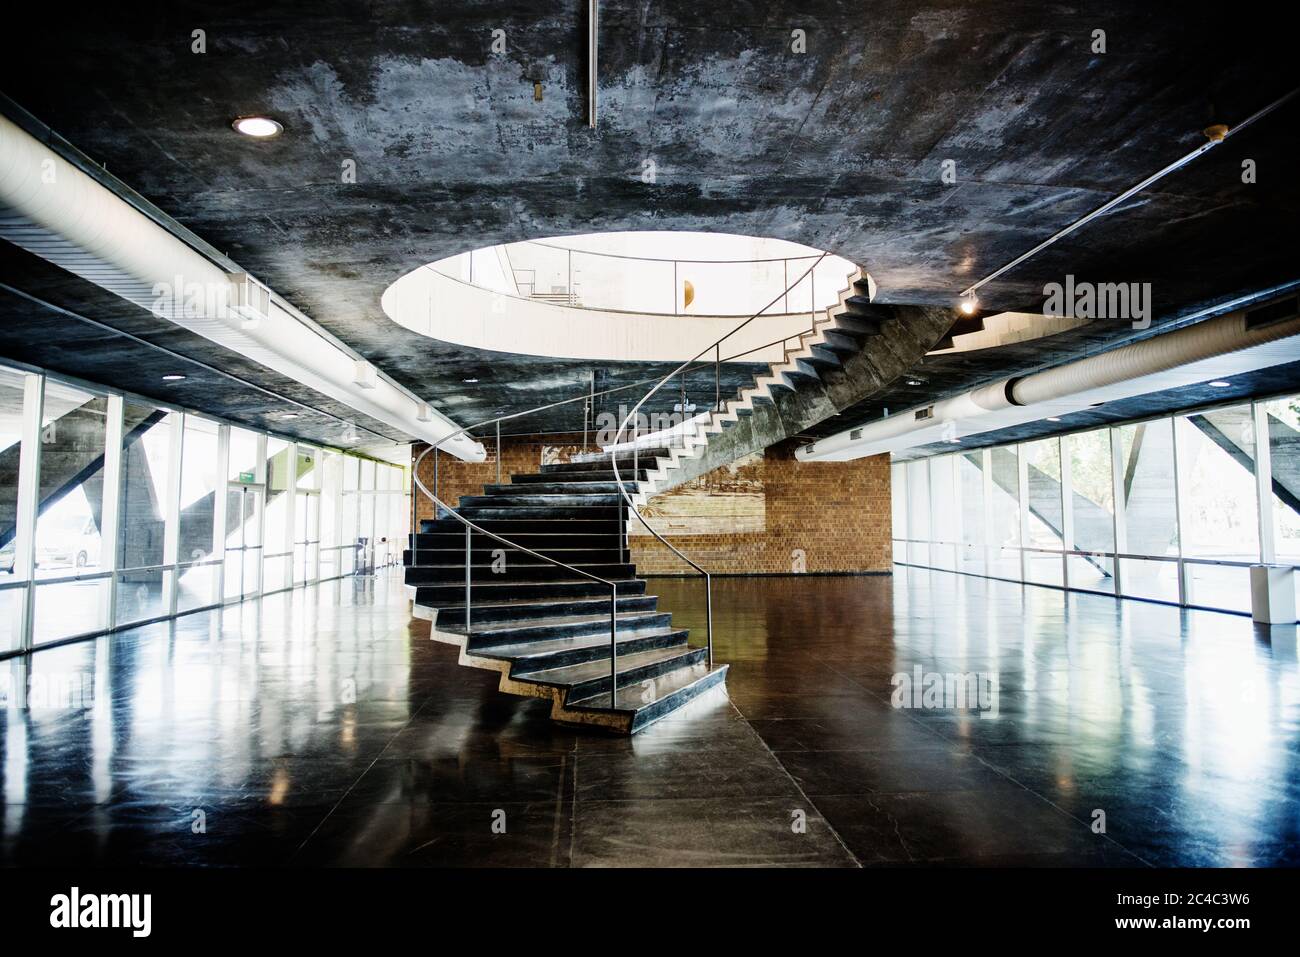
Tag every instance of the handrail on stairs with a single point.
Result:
(440, 506)
(618, 479)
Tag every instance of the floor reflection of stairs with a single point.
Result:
(545, 628)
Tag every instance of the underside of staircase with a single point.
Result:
(546, 628)
(851, 351)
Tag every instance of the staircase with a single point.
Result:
(851, 351)
(545, 628)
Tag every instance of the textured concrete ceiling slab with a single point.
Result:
(839, 148)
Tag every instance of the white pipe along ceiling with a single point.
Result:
(1214, 348)
(54, 210)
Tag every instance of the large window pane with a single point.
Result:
(1150, 511)
(1157, 581)
(918, 512)
(243, 456)
(898, 499)
(943, 512)
(64, 609)
(1216, 480)
(279, 502)
(1282, 418)
(1046, 514)
(974, 537)
(1092, 510)
(1004, 533)
(11, 604)
(197, 514)
(11, 434)
(71, 504)
(198, 489)
(146, 454)
(1219, 586)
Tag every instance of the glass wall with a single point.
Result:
(71, 593)
(115, 511)
(14, 451)
(1173, 509)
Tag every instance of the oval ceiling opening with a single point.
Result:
(633, 296)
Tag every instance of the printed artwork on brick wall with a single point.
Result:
(728, 500)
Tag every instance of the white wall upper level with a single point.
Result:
(429, 303)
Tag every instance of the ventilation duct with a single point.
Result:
(1119, 373)
(52, 209)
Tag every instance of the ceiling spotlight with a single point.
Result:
(173, 377)
(968, 305)
(913, 381)
(1220, 384)
(260, 127)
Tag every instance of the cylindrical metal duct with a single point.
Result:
(1204, 340)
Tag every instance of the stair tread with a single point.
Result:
(530, 623)
(665, 685)
(516, 584)
(517, 602)
(521, 653)
(590, 670)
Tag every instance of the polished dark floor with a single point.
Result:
(325, 728)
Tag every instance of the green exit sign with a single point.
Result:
(247, 477)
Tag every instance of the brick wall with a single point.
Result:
(836, 513)
(519, 454)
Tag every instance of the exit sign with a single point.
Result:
(247, 477)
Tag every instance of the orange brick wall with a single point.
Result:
(519, 454)
(836, 513)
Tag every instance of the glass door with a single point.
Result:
(244, 507)
(306, 527)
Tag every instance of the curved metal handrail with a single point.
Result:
(660, 259)
(606, 309)
(618, 479)
(818, 257)
(470, 527)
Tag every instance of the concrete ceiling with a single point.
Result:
(839, 148)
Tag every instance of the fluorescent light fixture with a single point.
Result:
(1220, 384)
(1053, 418)
(259, 127)
(173, 377)
(469, 380)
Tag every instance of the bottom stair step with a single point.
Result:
(591, 678)
(642, 706)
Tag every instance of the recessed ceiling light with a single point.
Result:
(1220, 384)
(173, 377)
(913, 381)
(261, 127)
(471, 381)
(1053, 418)
(288, 415)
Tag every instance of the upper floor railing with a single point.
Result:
(544, 271)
